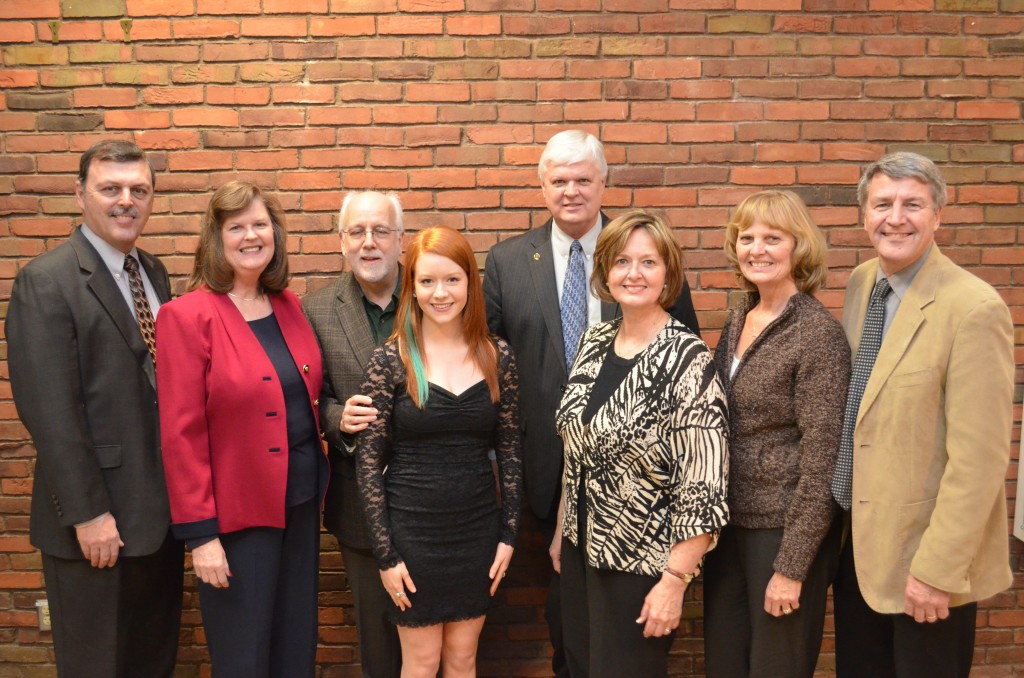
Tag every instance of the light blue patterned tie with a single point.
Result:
(870, 343)
(574, 303)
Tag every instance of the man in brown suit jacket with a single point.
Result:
(351, 317)
(929, 441)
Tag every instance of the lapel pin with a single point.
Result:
(536, 256)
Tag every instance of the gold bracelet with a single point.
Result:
(687, 578)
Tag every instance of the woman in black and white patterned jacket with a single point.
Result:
(644, 423)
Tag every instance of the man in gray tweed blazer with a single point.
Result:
(351, 317)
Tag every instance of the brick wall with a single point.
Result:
(449, 102)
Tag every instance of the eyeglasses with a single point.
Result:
(381, 233)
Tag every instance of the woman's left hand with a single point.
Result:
(782, 595)
(663, 607)
(502, 558)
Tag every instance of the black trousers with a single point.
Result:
(380, 652)
(869, 643)
(553, 608)
(117, 622)
(264, 624)
(600, 607)
(741, 640)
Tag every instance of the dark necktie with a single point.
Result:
(574, 306)
(143, 313)
(870, 342)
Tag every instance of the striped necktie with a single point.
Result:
(574, 303)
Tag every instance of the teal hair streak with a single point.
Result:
(422, 387)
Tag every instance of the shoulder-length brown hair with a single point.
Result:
(785, 211)
(211, 267)
(612, 241)
(450, 244)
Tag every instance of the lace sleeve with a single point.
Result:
(508, 444)
(382, 379)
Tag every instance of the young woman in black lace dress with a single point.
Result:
(446, 393)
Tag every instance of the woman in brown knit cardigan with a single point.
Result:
(785, 364)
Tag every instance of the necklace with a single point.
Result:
(235, 296)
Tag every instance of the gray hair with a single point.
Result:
(905, 165)
(391, 198)
(570, 147)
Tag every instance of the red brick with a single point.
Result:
(805, 110)
(847, 175)
(977, 110)
(163, 96)
(320, 158)
(701, 133)
(473, 25)
(788, 153)
(304, 94)
(205, 117)
(267, 160)
(298, 138)
(205, 28)
(337, 26)
(437, 91)
(867, 67)
(404, 115)
(295, 6)
(378, 180)
(169, 140)
(764, 176)
(29, 9)
(137, 119)
(159, 7)
(729, 111)
(278, 27)
(901, 5)
(199, 160)
(226, 7)
(409, 25)
(14, 78)
(235, 51)
(238, 96)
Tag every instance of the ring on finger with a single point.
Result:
(788, 610)
(399, 594)
(931, 619)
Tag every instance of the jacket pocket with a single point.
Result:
(109, 456)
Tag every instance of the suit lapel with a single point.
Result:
(905, 324)
(102, 284)
(352, 319)
(542, 272)
(163, 292)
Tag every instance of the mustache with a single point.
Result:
(122, 211)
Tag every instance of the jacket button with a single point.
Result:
(305, 368)
(316, 403)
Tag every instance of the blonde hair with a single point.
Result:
(785, 211)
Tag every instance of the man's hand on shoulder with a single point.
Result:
(100, 541)
(923, 602)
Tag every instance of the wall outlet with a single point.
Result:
(43, 614)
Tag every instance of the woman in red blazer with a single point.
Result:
(238, 374)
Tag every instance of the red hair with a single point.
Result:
(450, 244)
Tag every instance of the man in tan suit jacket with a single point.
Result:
(930, 445)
